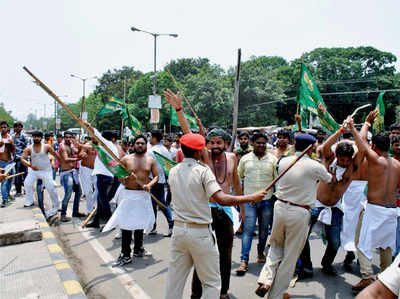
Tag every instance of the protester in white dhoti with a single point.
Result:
(40, 168)
(135, 210)
(378, 222)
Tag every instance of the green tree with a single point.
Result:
(6, 115)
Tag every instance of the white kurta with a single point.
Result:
(378, 229)
(353, 201)
(134, 211)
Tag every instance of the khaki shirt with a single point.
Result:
(299, 184)
(192, 184)
(257, 173)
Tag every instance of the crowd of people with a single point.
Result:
(346, 184)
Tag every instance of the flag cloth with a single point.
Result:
(175, 122)
(304, 119)
(378, 125)
(132, 122)
(311, 100)
(113, 104)
(113, 166)
(165, 163)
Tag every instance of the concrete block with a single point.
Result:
(19, 231)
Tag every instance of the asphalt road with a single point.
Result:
(91, 253)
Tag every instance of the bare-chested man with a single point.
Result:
(283, 146)
(88, 155)
(7, 149)
(69, 176)
(135, 210)
(40, 170)
(378, 221)
(345, 164)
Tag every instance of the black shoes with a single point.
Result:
(79, 215)
(122, 260)
(329, 270)
(93, 224)
(65, 219)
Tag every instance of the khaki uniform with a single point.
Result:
(291, 223)
(192, 184)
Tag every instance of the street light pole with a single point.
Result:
(83, 90)
(155, 35)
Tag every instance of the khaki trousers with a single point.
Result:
(288, 237)
(365, 263)
(193, 245)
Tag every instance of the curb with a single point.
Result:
(71, 283)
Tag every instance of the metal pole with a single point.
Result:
(122, 119)
(55, 117)
(155, 65)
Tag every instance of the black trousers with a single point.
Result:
(223, 227)
(127, 239)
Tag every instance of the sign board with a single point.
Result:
(154, 116)
(85, 116)
(155, 102)
(44, 125)
(58, 124)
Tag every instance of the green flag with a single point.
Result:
(311, 100)
(134, 125)
(165, 163)
(304, 119)
(378, 125)
(113, 104)
(175, 121)
(113, 166)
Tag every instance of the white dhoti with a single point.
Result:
(134, 211)
(47, 177)
(89, 187)
(353, 201)
(378, 229)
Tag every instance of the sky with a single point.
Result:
(57, 38)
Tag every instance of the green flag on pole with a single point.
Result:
(310, 100)
(113, 166)
(165, 163)
(378, 125)
(113, 104)
(175, 122)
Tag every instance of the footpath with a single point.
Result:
(32, 264)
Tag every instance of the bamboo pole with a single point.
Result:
(89, 217)
(108, 150)
(236, 101)
(14, 175)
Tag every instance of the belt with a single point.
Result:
(183, 224)
(295, 204)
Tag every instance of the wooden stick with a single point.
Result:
(89, 217)
(287, 169)
(14, 175)
(109, 151)
(236, 101)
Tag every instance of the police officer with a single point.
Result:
(193, 185)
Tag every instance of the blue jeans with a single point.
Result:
(6, 185)
(39, 191)
(263, 211)
(332, 236)
(69, 186)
